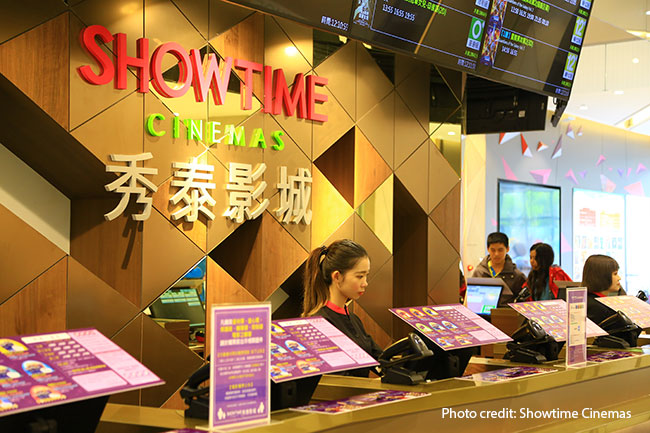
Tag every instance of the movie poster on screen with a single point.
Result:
(451, 326)
(576, 350)
(239, 367)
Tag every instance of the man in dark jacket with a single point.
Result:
(498, 264)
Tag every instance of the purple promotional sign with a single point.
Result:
(451, 326)
(239, 376)
(576, 350)
(311, 346)
(551, 315)
(56, 368)
(637, 310)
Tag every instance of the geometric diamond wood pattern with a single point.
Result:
(378, 179)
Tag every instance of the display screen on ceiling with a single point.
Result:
(530, 44)
(332, 15)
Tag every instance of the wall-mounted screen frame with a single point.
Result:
(529, 213)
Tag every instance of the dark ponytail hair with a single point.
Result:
(341, 255)
(537, 279)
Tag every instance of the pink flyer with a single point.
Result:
(55, 368)
(311, 346)
(506, 374)
(451, 326)
(552, 316)
(359, 402)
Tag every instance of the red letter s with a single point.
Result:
(89, 43)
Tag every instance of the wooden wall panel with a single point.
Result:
(445, 215)
(24, 254)
(221, 289)
(260, 256)
(167, 254)
(91, 303)
(370, 170)
(39, 307)
(112, 250)
(338, 163)
(37, 62)
(409, 254)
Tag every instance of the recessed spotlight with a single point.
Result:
(647, 12)
(291, 51)
(635, 60)
(368, 46)
(618, 92)
(584, 107)
(451, 133)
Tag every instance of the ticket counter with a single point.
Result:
(608, 396)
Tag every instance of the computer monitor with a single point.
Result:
(483, 294)
(563, 285)
(180, 303)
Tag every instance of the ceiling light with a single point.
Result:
(618, 92)
(291, 51)
(647, 12)
(635, 60)
(368, 46)
(343, 39)
(584, 107)
(451, 133)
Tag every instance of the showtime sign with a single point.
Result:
(202, 75)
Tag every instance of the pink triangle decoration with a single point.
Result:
(620, 171)
(541, 176)
(635, 188)
(606, 184)
(569, 175)
(557, 152)
(629, 171)
(580, 131)
(494, 222)
(541, 146)
(507, 136)
(509, 174)
(525, 150)
(583, 174)
(564, 244)
(601, 159)
(640, 168)
(570, 133)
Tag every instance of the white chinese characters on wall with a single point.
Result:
(194, 180)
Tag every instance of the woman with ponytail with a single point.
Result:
(334, 276)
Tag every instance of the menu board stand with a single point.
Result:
(445, 364)
(78, 416)
(293, 393)
(532, 345)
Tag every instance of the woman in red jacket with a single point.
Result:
(543, 273)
